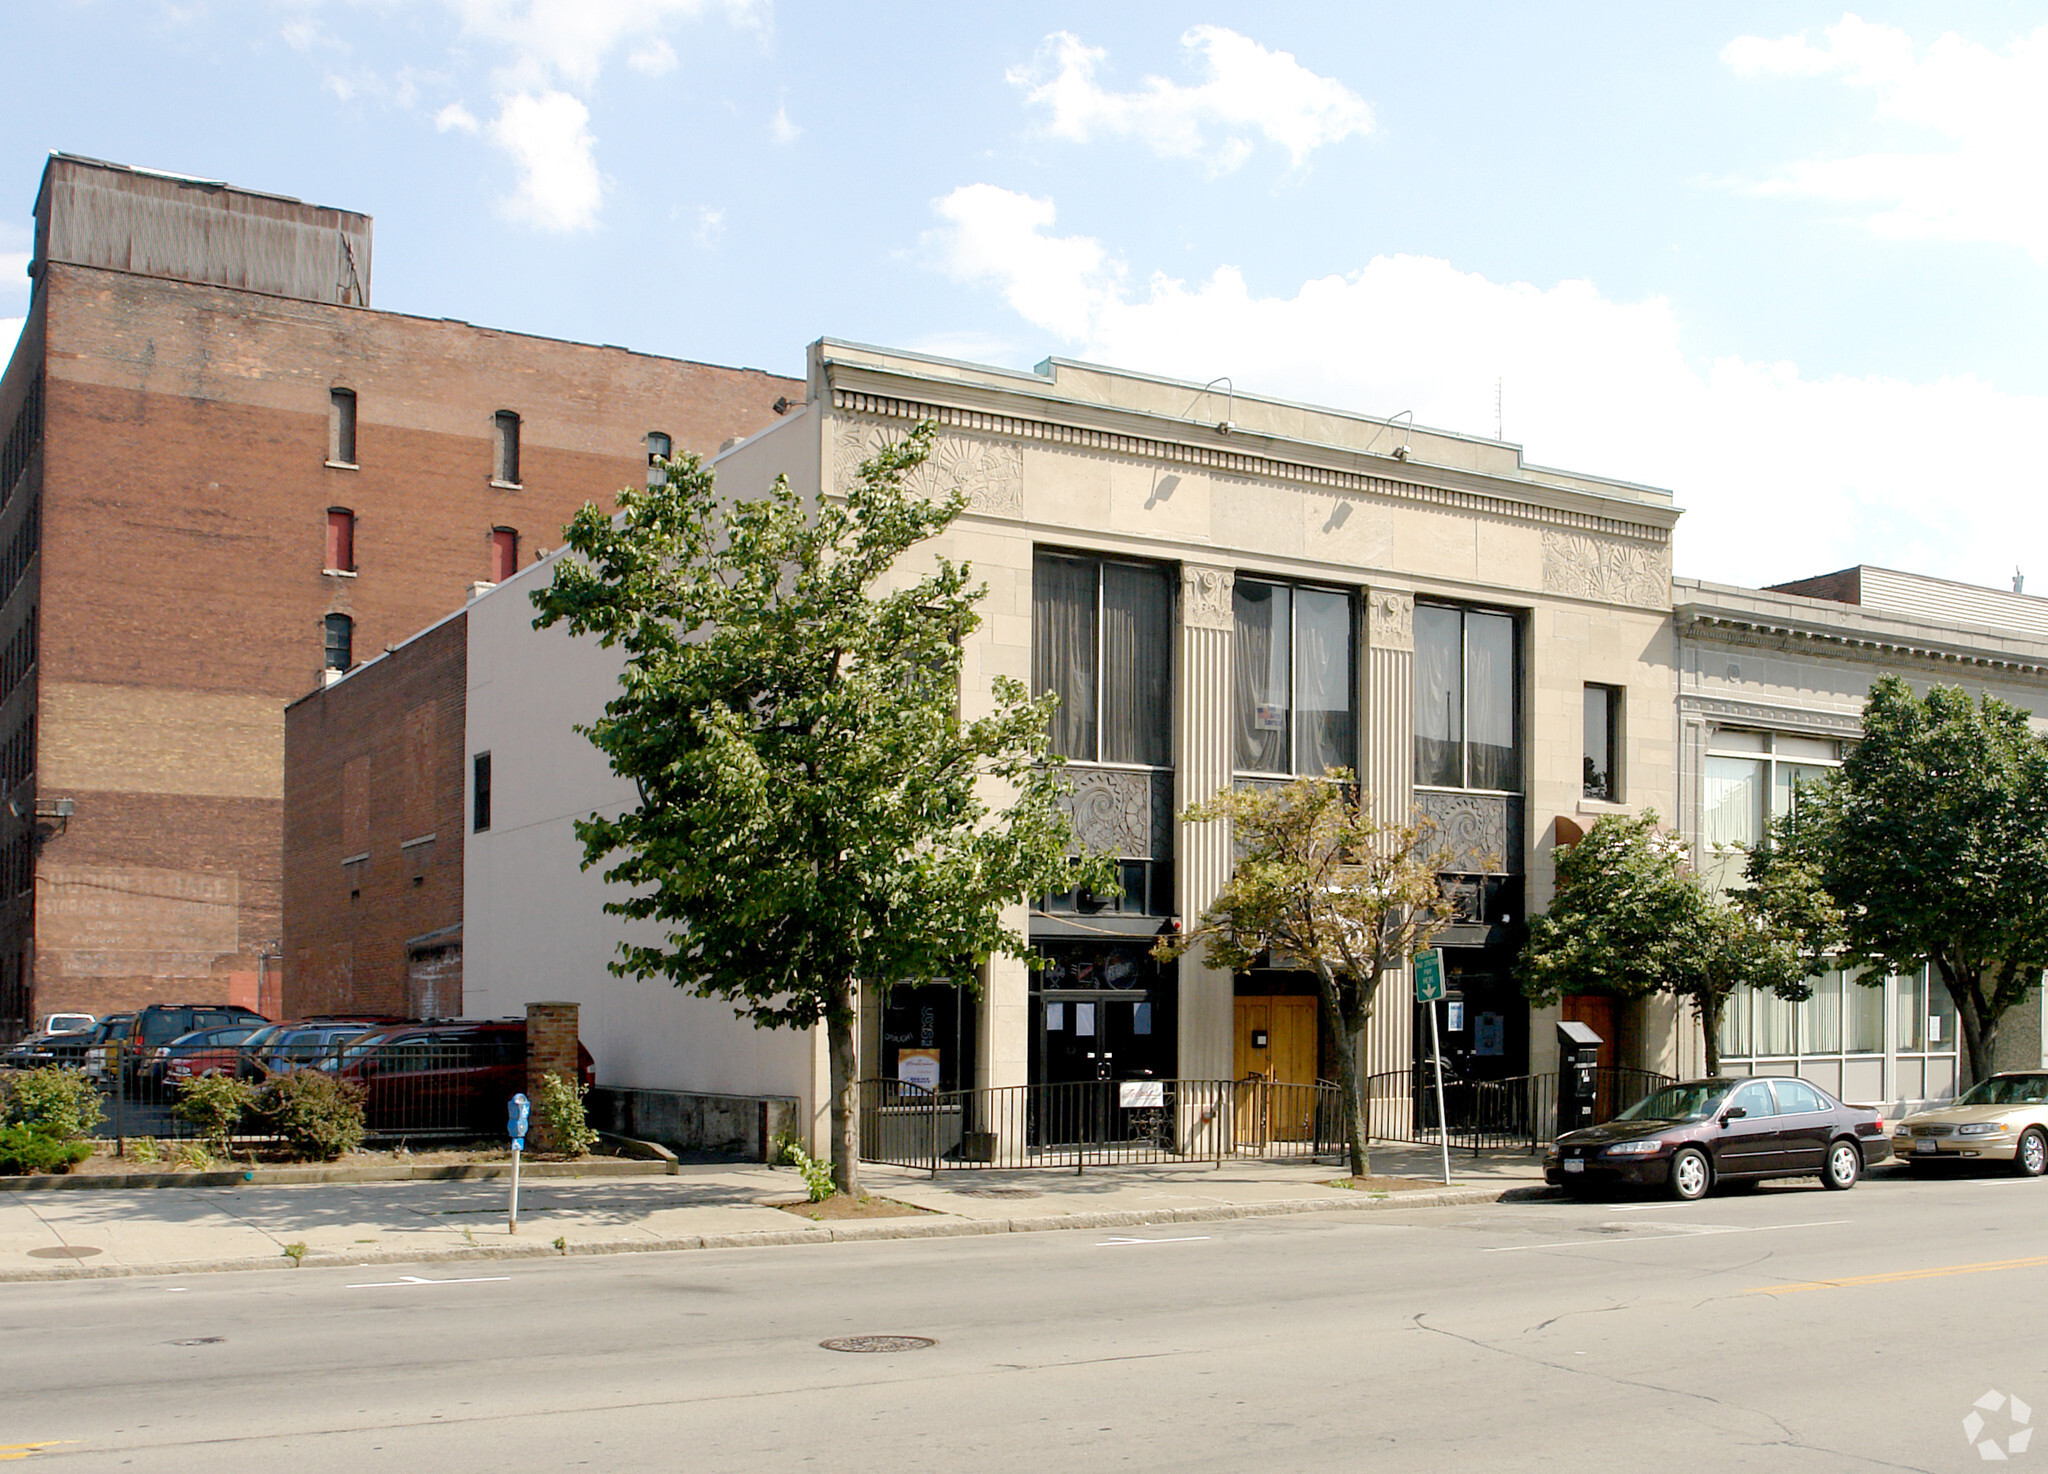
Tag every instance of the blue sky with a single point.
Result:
(1789, 260)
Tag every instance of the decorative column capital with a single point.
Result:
(1390, 619)
(1205, 597)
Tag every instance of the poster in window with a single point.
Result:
(917, 1070)
(1270, 716)
(1055, 1017)
(1084, 1018)
(1490, 1038)
(1454, 1016)
(1141, 1018)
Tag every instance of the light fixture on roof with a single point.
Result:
(1228, 424)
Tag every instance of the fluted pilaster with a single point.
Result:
(1202, 768)
(1388, 702)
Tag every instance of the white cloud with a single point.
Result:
(566, 43)
(559, 184)
(1991, 106)
(710, 227)
(456, 117)
(652, 58)
(1247, 92)
(781, 129)
(13, 271)
(1781, 475)
(10, 330)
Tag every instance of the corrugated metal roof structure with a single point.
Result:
(90, 213)
(1919, 596)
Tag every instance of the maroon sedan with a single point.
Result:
(1688, 1137)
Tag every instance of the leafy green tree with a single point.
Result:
(814, 813)
(1320, 881)
(1932, 839)
(1631, 918)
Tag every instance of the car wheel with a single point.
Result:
(1690, 1174)
(1845, 1165)
(2030, 1158)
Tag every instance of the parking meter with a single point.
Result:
(1578, 1079)
(516, 1110)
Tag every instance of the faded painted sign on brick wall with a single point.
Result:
(98, 921)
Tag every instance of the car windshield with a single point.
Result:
(1678, 1103)
(2006, 1090)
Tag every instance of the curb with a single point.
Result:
(931, 1227)
(288, 1176)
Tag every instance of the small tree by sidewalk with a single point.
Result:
(1321, 882)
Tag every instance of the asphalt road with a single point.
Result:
(1788, 1329)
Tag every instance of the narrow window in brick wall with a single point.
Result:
(504, 553)
(480, 793)
(659, 448)
(341, 540)
(340, 632)
(506, 468)
(341, 426)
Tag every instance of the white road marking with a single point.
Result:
(1678, 1231)
(413, 1279)
(1193, 1238)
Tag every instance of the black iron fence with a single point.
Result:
(1096, 1123)
(411, 1090)
(1518, 1112)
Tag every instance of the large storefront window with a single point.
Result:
(1293, 700)
(1102, 641)
(1103, 1011)
(1467, 706)
(1891, 1041)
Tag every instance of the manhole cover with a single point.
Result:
(998, 1192)
(64, 1251)
(201, 1341)
(878, 1343)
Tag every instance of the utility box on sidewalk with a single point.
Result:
(1578, 1078)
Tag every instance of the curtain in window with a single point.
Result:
(1731, 813)
(1137, 656)
(1325, 734)
(1820, 1016)
(1439, 697)
(1495, 759)
(1735, 1022)
(1263, 625)
(1063, 649)
(1865, 1017)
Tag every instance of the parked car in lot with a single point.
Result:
(139, 1035)
(68, 1023)
(1691, 1136)
(452, 1077)
(2002, 1119)
(297, 1046)
(215, 1051)
(97, 1049)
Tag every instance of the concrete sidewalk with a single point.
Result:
(53, 1235)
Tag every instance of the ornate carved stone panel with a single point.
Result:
(1607, 569)
(1483, 831)
(1205, 597)
(1390, 616)
(1118, 812)
(991, 472)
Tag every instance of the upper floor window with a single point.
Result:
(340, 637)
(660, 447)
(1603, 743)
(1750, 778)
(1294, 704)
(1102, 641)
(341, 427)
(505, 467)
(504, 553)
(480, 792)
(341, 540)
(1468, 719)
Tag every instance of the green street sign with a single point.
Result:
(1429, 976)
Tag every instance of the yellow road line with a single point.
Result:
(1899, 1276)
(12, 1451)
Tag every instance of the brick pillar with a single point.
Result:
(550, 1050)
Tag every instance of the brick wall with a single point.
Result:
(184, 589)
(550, 1050)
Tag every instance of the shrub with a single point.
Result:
(215, 1104)
(58, 1102)
(144, 1149)
(817, 1172)
(25, 1149)
(315, 1116)
(563, 1126)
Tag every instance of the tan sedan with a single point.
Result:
(2000, 1119)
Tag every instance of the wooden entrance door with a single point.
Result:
(1276, 1048)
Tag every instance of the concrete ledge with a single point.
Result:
(934, 1227)
(281, 1176)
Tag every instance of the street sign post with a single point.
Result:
(516, 1110)
(1429, 989)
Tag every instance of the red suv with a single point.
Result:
(443, 1077)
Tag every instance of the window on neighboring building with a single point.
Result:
(1293, 705)
(506, 469)
(504, 553)
(1748, 779)
(341, 426)
(341, 540)
(659, 448)
(480, 792)
(1603, 742)
(1102, 641)
(340, 634)
(1468, 720)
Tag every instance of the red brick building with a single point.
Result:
(222, 477)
